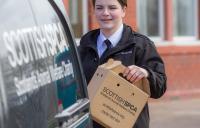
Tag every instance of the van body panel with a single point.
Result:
(40, 72)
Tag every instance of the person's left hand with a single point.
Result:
(134, 73)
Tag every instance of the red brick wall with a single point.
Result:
(198, 13)
(183, 70)
(130, 17)
(66, 4)
(92, 21)
(168, 24)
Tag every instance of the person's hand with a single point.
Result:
(134, 73)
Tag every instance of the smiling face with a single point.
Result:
(109, 14)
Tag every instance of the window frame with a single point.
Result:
(84, 12)
(189, 38)
(166, 24)
(160, 18)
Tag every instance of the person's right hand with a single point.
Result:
(134, 73)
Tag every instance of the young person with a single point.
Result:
(116, 40)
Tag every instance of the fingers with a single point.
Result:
(134, 73)
(129, 70)
(136, 77)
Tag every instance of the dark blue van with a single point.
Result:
(41, 80)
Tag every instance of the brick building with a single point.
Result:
(174, 26)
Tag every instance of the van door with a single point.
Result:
(41, 82)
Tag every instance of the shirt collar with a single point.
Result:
(114, 38)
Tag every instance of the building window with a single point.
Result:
(185, 19)
(78, 15)
(178, 17)
(149, 17)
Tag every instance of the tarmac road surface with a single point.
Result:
(182, 113)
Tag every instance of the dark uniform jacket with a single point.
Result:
(132, 49)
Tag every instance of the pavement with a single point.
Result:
(176, 113)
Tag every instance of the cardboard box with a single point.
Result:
(115, 102)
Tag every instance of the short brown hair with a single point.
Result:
(123, 3)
